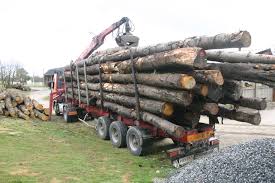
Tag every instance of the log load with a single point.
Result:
(152, 106)
(239, 57)
(173, 96)
(219, 41)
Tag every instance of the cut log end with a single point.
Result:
(245, 39)
(168, 109)
(187, 82)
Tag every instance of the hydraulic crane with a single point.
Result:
(123, 39)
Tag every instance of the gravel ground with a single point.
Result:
(253, 161)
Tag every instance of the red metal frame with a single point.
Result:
(154, 131)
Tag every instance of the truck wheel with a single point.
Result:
(135, 141)
(102, 127)
(56, 109)
(118, 131)
(70, 114)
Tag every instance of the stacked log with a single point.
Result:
(15, 105)
(175, 84)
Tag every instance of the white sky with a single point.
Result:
(49, 33)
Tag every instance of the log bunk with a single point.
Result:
(171, 85)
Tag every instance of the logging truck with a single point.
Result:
(123, 126)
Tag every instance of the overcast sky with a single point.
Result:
(47, 34)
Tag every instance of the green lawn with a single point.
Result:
(57, 152)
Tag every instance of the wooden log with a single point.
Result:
(32, 115)
(208, 76)
(232, 89)
(253, 103)
(17, 98)
(239, 57)
(13, 103)
(173, 96)
(46, 111)
(37, 105)
(24, 109)
(185, 118)
(20, 114)
(215, 93)
(2, 95)
(40, 115)
(176, 81)
(2, 107)
(28, 103)
(6, 112)
(165, 125)
(9, 106)
(244, 72)
(210, 108)
(201, 89)
(219, 41)
(242, 116)
(188, 58)
(152, 106)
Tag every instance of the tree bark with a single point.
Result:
(37, 106)
(3, 95)
(183, 57)
(167, 126)
(253, 103)
(40, 115)
(201, 89)
(46, 111)
(186, 119)
(248, 117)
(219, 41)
(215, 93)
(24, 109)
(240, 57)
(20, 114)
(152, 106)
(244, 72)
(208, 76)
(9, 106)
(173, 96)
(232, 89)
(28, 103)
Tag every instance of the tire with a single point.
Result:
(56, 109)
(118, 131)
(69, 118)
(135, 141)
(102, 127)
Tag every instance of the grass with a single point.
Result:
(58, 152)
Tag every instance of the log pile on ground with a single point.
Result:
(16, 105)
(175, 83)
(20, 87)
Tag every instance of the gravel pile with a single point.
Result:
(253, 161)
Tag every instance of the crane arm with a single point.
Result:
(98, 40)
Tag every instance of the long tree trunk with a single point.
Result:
(186, 119)
(37, 105)
(253, 103)
(242, 116)
(239, 57)
(24, 109)
(173, 96)
(28, 103)
(176, 81)
(167, 126)
(183, 57)
(152, 106)
(219, 41)
(245, 72)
